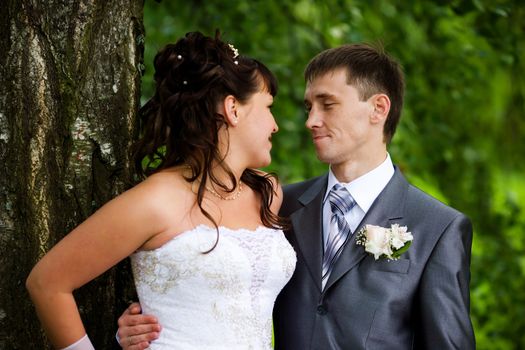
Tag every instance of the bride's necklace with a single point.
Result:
(227, 198)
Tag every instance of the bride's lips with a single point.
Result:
(319, 137)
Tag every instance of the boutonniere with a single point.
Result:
(385, 242)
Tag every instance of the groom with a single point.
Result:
(341, 296)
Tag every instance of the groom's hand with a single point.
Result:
(135, 331)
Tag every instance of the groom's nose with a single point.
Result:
(314, 119)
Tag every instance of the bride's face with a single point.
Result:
(256, 125)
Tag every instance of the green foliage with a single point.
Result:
(462, 135)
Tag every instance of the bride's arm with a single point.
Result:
(112, 233)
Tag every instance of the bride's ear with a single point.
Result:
(230, 105)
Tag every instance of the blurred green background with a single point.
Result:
(462, 132)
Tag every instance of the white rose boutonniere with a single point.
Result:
(384, 242)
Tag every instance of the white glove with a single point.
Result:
(82, 344)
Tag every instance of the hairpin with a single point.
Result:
(235, 51)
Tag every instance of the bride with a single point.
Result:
(206, 245)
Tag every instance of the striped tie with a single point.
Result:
(341, 202)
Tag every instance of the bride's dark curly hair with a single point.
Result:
(180, 125)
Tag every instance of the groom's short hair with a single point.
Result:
(370, 70)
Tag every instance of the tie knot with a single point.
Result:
(341, 200)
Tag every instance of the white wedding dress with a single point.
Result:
(219, 300)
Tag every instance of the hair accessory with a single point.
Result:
(235, 51)
(179, 57)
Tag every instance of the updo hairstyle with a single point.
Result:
(180, 123)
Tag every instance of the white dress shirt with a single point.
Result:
(364, 190)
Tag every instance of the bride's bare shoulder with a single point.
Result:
(172, 178)
(164, 190)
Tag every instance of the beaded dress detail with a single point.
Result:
(219, 300)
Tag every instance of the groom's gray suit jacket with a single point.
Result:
(420, 301)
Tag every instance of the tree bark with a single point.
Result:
(69, 92)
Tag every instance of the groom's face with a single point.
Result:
(337, 118)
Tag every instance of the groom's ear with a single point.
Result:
(381, 107)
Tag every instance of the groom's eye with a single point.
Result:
(328, 105)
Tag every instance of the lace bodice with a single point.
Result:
(220, 300)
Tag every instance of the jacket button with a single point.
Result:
(321, 310)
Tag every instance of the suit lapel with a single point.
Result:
(387, 207)
(308, 227)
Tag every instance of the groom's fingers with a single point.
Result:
(133, 309)
(136, 330)
(127, 320)
(140, 346)
(141, 332)
(136, 343)
(132, 317)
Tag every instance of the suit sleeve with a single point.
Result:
(443, 320)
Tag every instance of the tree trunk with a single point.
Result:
(69, 91)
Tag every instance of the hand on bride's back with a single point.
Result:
(136, 330)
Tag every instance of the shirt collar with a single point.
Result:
(367, 187)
